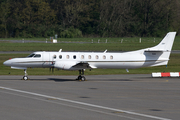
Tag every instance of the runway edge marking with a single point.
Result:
(86, 104)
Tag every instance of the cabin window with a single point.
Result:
(37, 56)
(104, 57)
(67, 56)
(74, 56)
(60, 56)
(97, 57)
(54, 56)
(89, 56)
(82, 56)
(111, 57)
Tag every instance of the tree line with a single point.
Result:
(97, 18)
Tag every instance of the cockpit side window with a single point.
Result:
(37, 56)
(31, 55)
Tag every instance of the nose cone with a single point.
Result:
(7, 63)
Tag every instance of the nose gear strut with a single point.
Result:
(25, 76)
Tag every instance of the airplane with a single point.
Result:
(153, 56)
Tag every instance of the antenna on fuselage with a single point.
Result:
(105, 51)
(60, 50)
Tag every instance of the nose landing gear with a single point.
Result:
(25, 76)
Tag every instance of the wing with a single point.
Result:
(73, 65)
(84, 65)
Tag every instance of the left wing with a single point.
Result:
(84, 65)
(73, 65)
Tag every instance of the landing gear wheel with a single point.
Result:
(81, 77)
(25, 78)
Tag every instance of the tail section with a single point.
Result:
(162, 51)
(166, 44)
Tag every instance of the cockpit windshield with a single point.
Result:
(34, 55)
(31, 55)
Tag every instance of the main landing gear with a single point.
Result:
(81, 75)
(25, 76)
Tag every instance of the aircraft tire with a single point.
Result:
(83, 78)
(25, 78)
(79, 77)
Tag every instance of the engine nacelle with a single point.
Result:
(65, 65)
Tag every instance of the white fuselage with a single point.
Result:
(66, 60)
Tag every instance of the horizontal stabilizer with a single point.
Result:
(151, 50)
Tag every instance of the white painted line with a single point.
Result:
(86, 104)
(93, 110)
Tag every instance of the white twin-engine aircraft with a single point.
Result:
(154, 56)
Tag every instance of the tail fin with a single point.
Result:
(166, 44)
(163, 49)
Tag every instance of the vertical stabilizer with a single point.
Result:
(166, 44)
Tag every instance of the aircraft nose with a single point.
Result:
(7, 63)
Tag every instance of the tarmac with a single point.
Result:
(101, 97)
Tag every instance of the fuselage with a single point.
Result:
(126, 60)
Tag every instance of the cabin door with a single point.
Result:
(46, 60)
